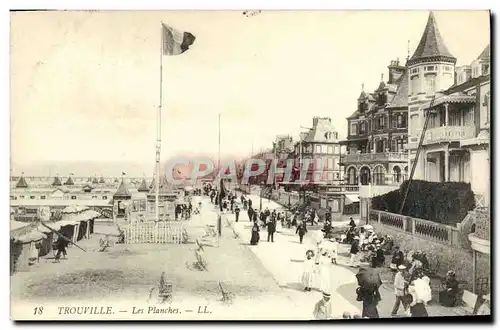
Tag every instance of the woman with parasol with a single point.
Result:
(369, 282)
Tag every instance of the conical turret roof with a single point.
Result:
(431, 46)
(57, 181)
(21, 183)
(165, 187)
(122, 190)
(101, 180)
(143, 187)
(94, 180)
(69, 182)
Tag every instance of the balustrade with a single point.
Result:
(372, 157)
(449, 133)
(392, 219)
(417, 227)
(431, 230)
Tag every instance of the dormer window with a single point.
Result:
(362, 106)
(485, 69)
(382, 99)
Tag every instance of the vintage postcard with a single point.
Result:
(250, 165)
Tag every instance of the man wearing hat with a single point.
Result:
(399, 290)
(354, 251)
(323, 308)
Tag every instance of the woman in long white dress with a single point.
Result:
(307, 274)
(325, 266)
(279, 227)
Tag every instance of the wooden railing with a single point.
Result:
(344, 188)
(379, 156)
(26, 217)
(449, 133)
(425, 229)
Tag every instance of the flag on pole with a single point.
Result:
(175, 42)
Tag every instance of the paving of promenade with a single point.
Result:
(284, 260)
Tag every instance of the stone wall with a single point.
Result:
(441, 257)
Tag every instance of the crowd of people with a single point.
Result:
(412, 273)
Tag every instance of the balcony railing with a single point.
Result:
(375, 157)
(424, 229)
(449, 134)
(26, 217)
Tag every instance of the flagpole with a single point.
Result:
(219, 218)
(218, 161)
(158, 131)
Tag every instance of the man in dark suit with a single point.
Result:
(271, 228)
(237, 213)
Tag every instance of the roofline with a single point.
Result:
(467, 84)
(429, 59)
(58, 202)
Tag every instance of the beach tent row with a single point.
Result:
(28, 241)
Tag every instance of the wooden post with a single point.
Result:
(474, 258)
(447, 163)
(75, 233)
(87, 231)
(446, 114)
(156, 233)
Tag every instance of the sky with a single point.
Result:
(85, 86)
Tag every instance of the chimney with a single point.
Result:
(396, 71)
(315, 121)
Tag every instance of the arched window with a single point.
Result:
(351, 176)
(379, 175)
(396, 174)
(364, 175)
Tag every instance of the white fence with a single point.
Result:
(154, 232)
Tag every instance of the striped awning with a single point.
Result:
(451, 99)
